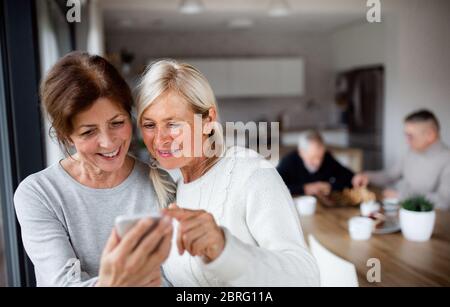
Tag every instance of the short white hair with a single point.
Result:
(307, 137)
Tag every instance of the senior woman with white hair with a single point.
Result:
(237, 225)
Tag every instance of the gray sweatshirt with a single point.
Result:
(425, 173)
(65, 224)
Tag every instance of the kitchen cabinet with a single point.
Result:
(253, 77)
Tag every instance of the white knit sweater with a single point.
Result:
(264, 244)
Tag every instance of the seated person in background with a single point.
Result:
(424, 170)
(312, 170)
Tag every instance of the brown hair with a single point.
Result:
(74, 83)
(423, 116)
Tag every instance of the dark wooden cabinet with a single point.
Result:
(360, 93)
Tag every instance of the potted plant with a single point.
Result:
(417, 217)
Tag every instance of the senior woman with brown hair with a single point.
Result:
(67, 210)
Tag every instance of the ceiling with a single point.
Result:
(316, 16)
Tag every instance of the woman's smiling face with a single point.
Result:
(167, 127)
(102, 135)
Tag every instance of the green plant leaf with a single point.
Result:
(417, 204)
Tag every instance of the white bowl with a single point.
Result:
(306, 205)
(360, 228)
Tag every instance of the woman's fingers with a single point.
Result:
(164, 248)
(194, 224)
(180, 245)
(191, 236)
(151, 240)
(173, 206)
(191, 219)
(132, 237)
(196, 230)
(193, 216)
(131, 260)
(147, 267)
(151, 252)
(112, 242)
(180, 215)
(155, 282)
(211, 245)
(154, 278)
(191, 223)
(200, 245)
(155, 259)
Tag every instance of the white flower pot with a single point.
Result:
(417, 226)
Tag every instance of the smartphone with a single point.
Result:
(124, 223)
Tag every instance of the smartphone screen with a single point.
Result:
(124, 223)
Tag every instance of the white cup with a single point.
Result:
(369, 207)
(360, 228)
(306, 205)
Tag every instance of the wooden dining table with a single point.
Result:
(402, 262)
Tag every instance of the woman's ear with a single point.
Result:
(212, 114)
(69, 141)
(209, 121)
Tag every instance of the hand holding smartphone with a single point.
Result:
(135, 251)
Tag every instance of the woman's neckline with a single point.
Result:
(207, 174)
(124, 183)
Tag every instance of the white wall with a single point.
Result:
(358, 45)
(417, 67)
(414, 45)
(314, 49)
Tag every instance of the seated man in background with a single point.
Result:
(312, 170)
(424, 170)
